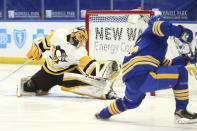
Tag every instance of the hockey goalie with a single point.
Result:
(68, 65)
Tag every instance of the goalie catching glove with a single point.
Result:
(35, 51)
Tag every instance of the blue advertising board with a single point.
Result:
(1, 9)
(182, 10)
(60, 9)
(24, 9)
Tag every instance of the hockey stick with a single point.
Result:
(192, 56)
(16, 70)
(180, 47)
(89, 76)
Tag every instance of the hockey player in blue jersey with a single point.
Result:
(145, 69)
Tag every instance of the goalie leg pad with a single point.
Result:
(21, 88)
(110, 70)
(84, 85)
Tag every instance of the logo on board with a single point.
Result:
(5, 38)
(39, 33)
(19, 37)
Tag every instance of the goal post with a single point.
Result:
(111, 35)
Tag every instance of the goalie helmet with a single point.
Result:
(79, 36)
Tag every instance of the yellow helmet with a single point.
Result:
(79, 37)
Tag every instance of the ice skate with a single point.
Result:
(184, 117)
(97, 115)
(20, 88)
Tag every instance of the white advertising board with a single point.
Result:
(114, 40)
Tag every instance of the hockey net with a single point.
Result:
(111, 36)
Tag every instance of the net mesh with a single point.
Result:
(109, 18)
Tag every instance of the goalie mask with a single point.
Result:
(79, 37)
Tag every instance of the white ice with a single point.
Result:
(62, 111)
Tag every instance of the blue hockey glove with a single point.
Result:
(186, 35)
(193, 59)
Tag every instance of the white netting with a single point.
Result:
(109, 18)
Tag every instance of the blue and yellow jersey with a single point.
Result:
(150, 49)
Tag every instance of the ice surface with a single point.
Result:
(61, 111)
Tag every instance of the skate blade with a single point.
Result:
(185, 121)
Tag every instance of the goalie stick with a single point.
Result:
(193, 56)
(16, 70)
(99, 78)
(89, 76)
(180, 47)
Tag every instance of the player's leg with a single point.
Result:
(181, 93)
(39, 84)
(175, 77)
(132, 99)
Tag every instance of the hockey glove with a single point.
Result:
(186, 35)
(35, 50)
(193, 59)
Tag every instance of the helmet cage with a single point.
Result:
(79, 37)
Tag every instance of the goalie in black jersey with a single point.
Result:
(69, 66)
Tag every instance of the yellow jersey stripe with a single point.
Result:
(140, 59)
(52, 67)
(181, 91)
(113, 109)
(167, 62)
(184, 94)
(137, 57)
(159, 29)
(110, 110)
(153, 28)
(164, 76)
(138, 63)
(57, 72)
(116, 108)
(156, 29)
(182, 98)
(50, 72)
(85, 62)
(48, 39)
